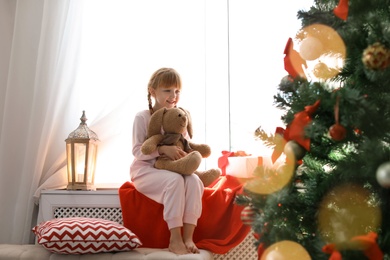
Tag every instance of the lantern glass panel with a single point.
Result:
(69, 160)
(92, 162)
(80, 156)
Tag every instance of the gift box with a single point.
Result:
(243, 166)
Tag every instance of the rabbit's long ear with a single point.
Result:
(155, 123)
(189, 123)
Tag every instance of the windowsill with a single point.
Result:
(108, 186)
(98, 186)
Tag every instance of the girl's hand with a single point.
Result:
(171, 151)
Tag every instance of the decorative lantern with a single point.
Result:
(81, 152)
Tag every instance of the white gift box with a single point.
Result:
(243, 166)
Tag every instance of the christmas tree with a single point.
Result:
(329, 198)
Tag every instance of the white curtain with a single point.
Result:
(38, 60)
(49, 74)
(45, 86)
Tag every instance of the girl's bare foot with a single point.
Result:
(191, 247)
(178, 247)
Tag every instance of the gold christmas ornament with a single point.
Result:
(346, 211)
(294, 151)
(376, 56)
(269, 180)
(310, 48)
(321, 44)
(322, 71)
(285, 249)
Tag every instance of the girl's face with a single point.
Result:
(165, 97)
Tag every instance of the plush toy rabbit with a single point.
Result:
(166, 127)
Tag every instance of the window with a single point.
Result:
(229, 54)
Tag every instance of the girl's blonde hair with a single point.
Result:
(164, 78)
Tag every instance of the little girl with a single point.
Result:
(181, 195)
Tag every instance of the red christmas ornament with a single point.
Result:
(337, 132)
(248, 215)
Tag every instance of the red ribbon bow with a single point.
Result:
(223, 161)
(366, 243)
(293, 61)
(341, 10)
(295, 131)
(331, 249)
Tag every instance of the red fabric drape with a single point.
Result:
(219, 228)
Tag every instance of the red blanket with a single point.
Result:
(219, 228)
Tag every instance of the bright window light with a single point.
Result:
(229, 54)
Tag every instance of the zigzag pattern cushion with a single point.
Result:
(80, 235)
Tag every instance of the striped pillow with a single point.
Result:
(85, 236)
